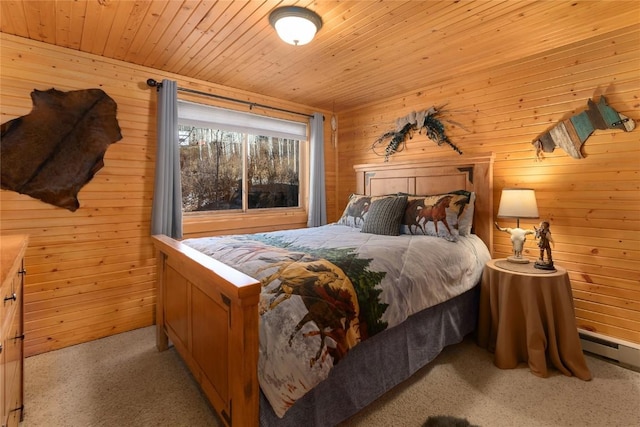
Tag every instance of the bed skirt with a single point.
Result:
(382, 362)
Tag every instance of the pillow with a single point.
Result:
(385, 215)
(355, 211)
(465, 217)
(446, 215)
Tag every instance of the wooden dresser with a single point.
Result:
(12, 250)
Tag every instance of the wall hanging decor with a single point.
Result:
(570, 134)
(430, 120)
(334, 128)
(52, 152)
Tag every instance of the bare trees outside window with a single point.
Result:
(218, 167)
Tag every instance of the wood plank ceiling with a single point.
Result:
(365, 51)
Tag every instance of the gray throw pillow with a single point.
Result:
(384, 216)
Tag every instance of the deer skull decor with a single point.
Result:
(517, 203)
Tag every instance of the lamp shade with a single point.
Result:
(295, 25)
(518, 203)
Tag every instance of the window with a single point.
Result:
(232, 160)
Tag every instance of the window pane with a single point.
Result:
(211, 167)
(273, 172)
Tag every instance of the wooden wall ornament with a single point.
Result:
(570, 134)
(52, 152)
(429, 120)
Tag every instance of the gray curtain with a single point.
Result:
(166, 213)
(317, 197)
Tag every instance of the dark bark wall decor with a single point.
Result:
(52, 152)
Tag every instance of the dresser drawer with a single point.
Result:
(12, 251)
(6, 306)
(12, 350)
(9, 295)
(14, 402)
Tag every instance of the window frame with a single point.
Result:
(221, 217)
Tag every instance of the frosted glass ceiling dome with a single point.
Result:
(295, 25)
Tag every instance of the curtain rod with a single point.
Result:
(158, 85)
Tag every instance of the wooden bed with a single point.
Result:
(209, 311)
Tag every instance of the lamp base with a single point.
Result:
(517, 260)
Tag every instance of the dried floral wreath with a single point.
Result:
(429, 120)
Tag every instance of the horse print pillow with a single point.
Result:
(465, 207)
(358, 208)
(355, 211)
(443, 215)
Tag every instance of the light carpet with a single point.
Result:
(124, 381)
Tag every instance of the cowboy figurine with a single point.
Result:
(543, 234)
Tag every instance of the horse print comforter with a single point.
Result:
(325, 289)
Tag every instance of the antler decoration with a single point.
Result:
(429, 120)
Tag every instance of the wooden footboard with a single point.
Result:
(209, 311)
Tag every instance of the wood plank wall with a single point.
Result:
(593, 204)
(91, 273)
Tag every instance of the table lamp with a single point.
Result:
(517, 203)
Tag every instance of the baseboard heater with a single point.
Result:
(621, 352)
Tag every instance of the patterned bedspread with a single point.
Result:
(326, 289)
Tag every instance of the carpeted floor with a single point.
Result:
(119, 381)
(123, 381)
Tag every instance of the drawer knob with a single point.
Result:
(11, 297)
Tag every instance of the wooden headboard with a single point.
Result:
(435, 176)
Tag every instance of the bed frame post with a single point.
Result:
(243, 366)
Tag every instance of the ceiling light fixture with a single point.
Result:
(295, 25)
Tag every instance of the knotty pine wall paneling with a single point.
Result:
(593, 204)
(91, 273)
